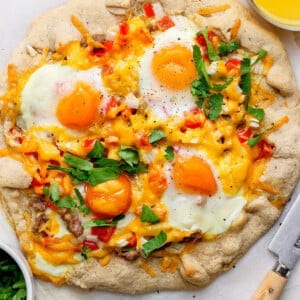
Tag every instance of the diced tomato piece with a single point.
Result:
(108, 45)
(90, 244)
(266, 149)
(243, 134)
(51, 205)
(104, 233)
(132, 241)
(148, 9)
(211, 35)
(233, 64)
(124, 28)
(35, 182)
(201, 40)
(32, 153)
(194, 118)
(144, 140)
(98, 52)
(54, 162)
(88, 144)
(165, 23)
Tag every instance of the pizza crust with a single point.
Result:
(210, 258)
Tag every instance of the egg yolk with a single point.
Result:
(193, 175)
(110, 198)
(173, 67)
(79, 110)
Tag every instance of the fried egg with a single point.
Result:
(167, 70)
(194, 197)
(62, 96)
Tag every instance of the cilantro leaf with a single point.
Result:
(104, 222)
(200, 64)
(97, 151)
(156, 135)
(200, 88)
(212, 54)
(226, 48)
(261, 54)
(169, 153)
(78, 163)
(82, 207)
(100, 175)
(245, 83)
(245, 65)
(84, 251)
(136, 169)
(213, 106)
(54, 193)
(77, 175)
(148, 215)
(155, 243)
(130, 155)
(106, 162)
(66, 202)
(252, 141)
(258, 113)
(219, 87)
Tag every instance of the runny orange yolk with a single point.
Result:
(110, 198)
(173, 67)
(193, 175)
(79, 110)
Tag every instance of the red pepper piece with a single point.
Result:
(90, 244)
(243, 134)
(266, 149)
(165, 23)
(124, 28)
(104, 233)
(148, 9)
(233, 64)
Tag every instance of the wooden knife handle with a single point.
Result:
(271, 287)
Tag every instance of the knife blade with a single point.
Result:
(286, 245)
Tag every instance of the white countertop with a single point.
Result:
(237, 284)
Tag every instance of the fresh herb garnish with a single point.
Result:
(245, 65)
(100, 175)
(261, 54)
(156, 135)
(97, 151)
(104, 222)
(12, 282)
(218, 87)
(200, 64)
(78, 163)
(252, 141)
(84, 252)
(245, 82)
(227, 48)
(148, 215)
(155, 243)
(169, 153)
(130, 155)
(213, 106)
(212, 53)
(258, 113)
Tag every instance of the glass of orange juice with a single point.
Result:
(282, 13)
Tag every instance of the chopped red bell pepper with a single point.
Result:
(132, 241)
(35, 182)
(51, 205)
(103, 233)
(108, 45)
(266, 149)
(124, 28)
(32, 153)
(165, 23)
(148, 9)
(90, 244)
(194, 118)
(201, 40)
(233, 64)
(88, 144)
(98, 52)
(244, 134)
(211, 35)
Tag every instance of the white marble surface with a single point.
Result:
(237, 284)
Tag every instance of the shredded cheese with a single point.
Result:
(235, 28)
(212, 9)
(147, 268)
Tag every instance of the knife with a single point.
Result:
(286, 245)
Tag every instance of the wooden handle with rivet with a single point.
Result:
(271, 287)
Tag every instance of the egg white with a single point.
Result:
(164, 102)
(193, 212)
(47, 85)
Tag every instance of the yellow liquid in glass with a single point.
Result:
(282, 11)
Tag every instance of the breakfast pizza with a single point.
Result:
(146, 145)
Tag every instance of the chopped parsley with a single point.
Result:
(155, 243)
(169, 153)
(156, 135)
(258, 113)
(104, 222)
(261, 54)
(213, 106)
(212, 53)
(148, 215)
(252, 141)
(227, 48)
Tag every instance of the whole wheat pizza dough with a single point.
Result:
(202, 262)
